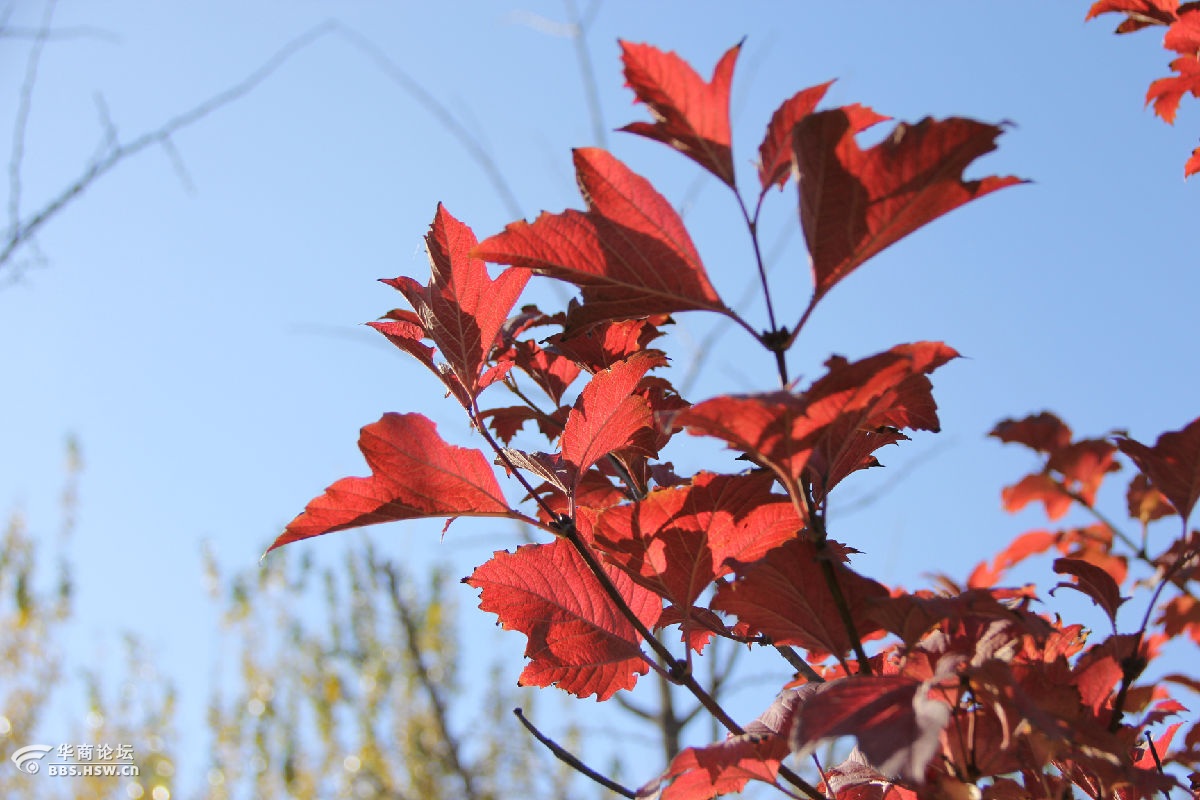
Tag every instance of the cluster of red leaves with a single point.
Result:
(967, 692)
(1182, 21)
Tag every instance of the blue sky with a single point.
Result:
(204, 340)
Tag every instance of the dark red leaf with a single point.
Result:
(1139, 13)
(691, 114)
(461, 309)
(785, 596)
(1044, 432)
(677, 541)
(629, 253)
(414, 473)
(896, 724)
(1172, 464)
(600, 346)
(832, 429)
(1146, 503)
(775, 152)
(855, 203)
(698, 773)
(608, 415)
(1093, 582)
(578, 639)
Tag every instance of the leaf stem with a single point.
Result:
(562, 754)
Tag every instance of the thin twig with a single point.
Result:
(591, 91)
(23, 231)
(439, 111)
(441, 713)
(24, 104)
(563, 755)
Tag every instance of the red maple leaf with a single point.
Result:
(629, 252)
(1138, 13)
(831, 429)
(677, 541)
(785, 596)
(775, 152)
(1094, 582)
(608, 416)
(1166, 93)
(855, 203)
(1172, 464)
(600, 346)
(1044, 432)
(578, 639)
(414, 473)
(461, 309)
(691, 114)
(698, 773)
(897, 725)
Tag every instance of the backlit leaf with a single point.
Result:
(578, 639)
(629, 252)
(414, 473)
(691, 114)
(854, 202)
(1172, 464)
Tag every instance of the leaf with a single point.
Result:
(677, 541)
(1139, 13)
(1043, 433)
(691, 114)
(775, 152)
(461, 309)
(785, 596)
(578, 639)
(896, 724)
(1146, 503)
(1166, 93)
(831, 430)
(855, 203)
(727, 766)
(608, 415)
(604, 344)
(414, 473)
(1034, 488)
(1094, 582)
(1172, 464)
(629, 252)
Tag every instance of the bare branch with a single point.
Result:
(442, 114)
(24, 104)
(566, 757)
(441, 713)
(22, 231)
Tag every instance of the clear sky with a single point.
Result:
(203, 338)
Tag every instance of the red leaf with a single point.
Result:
(462, 309)
(1183, 36)
(1033, 488)
(855, 203)
(1093, 582)
(414, 473)
(1043, 433)
(578, 639)
(602, 345)
(629, 253)
(608, 415)
(698, 773)
(831, 429)
(1021, 548)
(1166, 93)
(1172, 464)
(785, 596)
(897, 726)
(1139, 13)
(775, 152)
(677, 541)
(691, 114)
